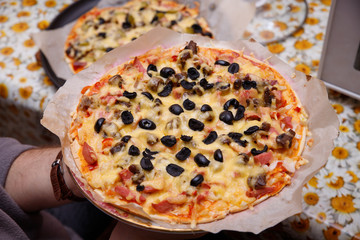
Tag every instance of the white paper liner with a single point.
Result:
(323, 123)
(227, 20)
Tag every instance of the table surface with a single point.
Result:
(331, 199)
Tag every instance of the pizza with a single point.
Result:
(189, 134)
(101, 30)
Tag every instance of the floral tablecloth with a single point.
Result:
(331, 199)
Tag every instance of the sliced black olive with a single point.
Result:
(147, 155)
(167, 90)
(147, 124)
(168, 140)
(134, 151)
(127, 117)
(101, 34)
(248, 84)
(193, 74)
(174, 170)
(98, 124)
(222, 63)
(186, 138)
(197, 180)
(166, 72)
(125, 138)
(205, 108)
(232, 102)
(227, 117)
(210, 138)
(196, 125)
(255, 152)
(109, 49)
(101, 21)
(205, 84)
(222, 86)
(134, 38)
(148, 95)
(158, 102)
(188, 104)
(197, 28)
(237, 84)
(151, 152)
(251, 130)
(233, 68)
(201, 160)
(151, 67)
(176, 109)
(183, 154)
(218, 156)
(187, 85)
(117, 148)
(208, 34)
(140, 188)
(155, 19)
(130, 95)
(239, 113)
(173, 22)
(146, 164)
(126, 25)
(235, 136)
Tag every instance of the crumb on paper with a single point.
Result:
(293, 75)
(310, 142)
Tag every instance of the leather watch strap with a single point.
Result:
(61, 190)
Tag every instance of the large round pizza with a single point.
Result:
(189, 134)
(103, 29)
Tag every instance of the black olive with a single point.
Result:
(167, 90)
(197, 28)
(197, 180)
(222, 63)
(239, 113)
(176, 109)
(193, 74)
(134, 151)
(155, 19)
(222, 86)
(201, 160)
(146, 164)
(232, 102)
(208, 34)
(242, 143)
(126, 25)
(218, 156)
(148, 151)
(125, 138)
(235, 136)
(101, 21)
(148, 95)
(183, 154)
(255, 152)
(166, 72)
(248, 84)
(134, 38)
(237, 84)
(117, 148)
(130, 95)
(147, 155)
(109, 49)
(187, 85)
(227, 117)
(188, 104)
(233, 68)
(151, 67)
(251, 130)
(127, 117)
(168, 140)
(205, 108)
(101, 34)
(98, 124)
(196, 125)
(147, 124)
(140, 188)
(186, 138)
(158, 102)
(205, 84)
(173, 22)
(174, 170)
(210, 138)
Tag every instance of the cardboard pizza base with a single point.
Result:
(323, 125)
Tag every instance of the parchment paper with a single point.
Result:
(323, 122)
(227, 20)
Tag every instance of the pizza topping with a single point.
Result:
(239, 113)
(186, 138)
(151, 139)
(242, 159)
(117, 148)
(166, 72)
(205, 84)
(268, 97)
(151, 68)
(193, 74)
(223, 87)
(232, 102)
(227, 117)
(255, 152)
(116, 80)
(218, 156)
(222, 63)
(140, 188)
(210, 138)
(176, 109)
(98, 124)
(174, 170)
(148, 151)
(168, 141)
(148, 95)
(248, 84)
(197, 28)
(234, 68)
(196, 125)
(183, 154)
(134, 151)
(187, 85)
(167, 90)
(147, 124)
(154, 83)
(127, 117)
(264, 158)
(188, 104)
(146, 164)
(197, 180)
(192, 46)
(130, 95)
(265, 126)
(251, 130)
(109, 49)
(237, 84)
(126, 138)
(285, 139)
(257, 182)
(201, 160)
(89, 154)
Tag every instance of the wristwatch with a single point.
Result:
(61, 190)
